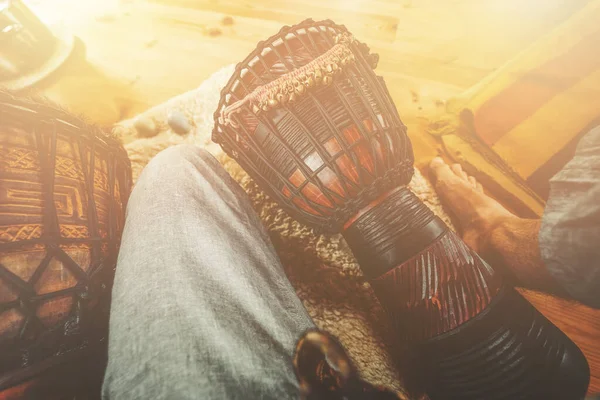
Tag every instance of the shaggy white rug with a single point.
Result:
(321, 267)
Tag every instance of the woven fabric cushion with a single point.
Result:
(321, 267)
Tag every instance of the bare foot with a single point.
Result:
(477, 213)
(500, 237)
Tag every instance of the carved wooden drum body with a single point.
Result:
(63, 192)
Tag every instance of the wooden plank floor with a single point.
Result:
(430, 50)
(141, 53)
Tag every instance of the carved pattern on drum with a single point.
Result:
(13, 233)
(66, 167)
(74, 231)
(18, 158)
(21, 159)
(23, 200)
(437, 290)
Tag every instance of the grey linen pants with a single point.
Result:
(201, 306)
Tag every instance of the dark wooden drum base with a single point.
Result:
(468, 334)
(509, 351)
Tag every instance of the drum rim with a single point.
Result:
(43, 110)
(399, 174)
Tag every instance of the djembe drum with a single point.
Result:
(306, 116)
(63, 191)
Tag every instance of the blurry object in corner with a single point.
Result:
(29, 50)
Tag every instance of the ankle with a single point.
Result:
(491, 233)
(511, 244)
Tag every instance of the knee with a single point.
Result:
(590, 142)
(180, 154)
(178, 164)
